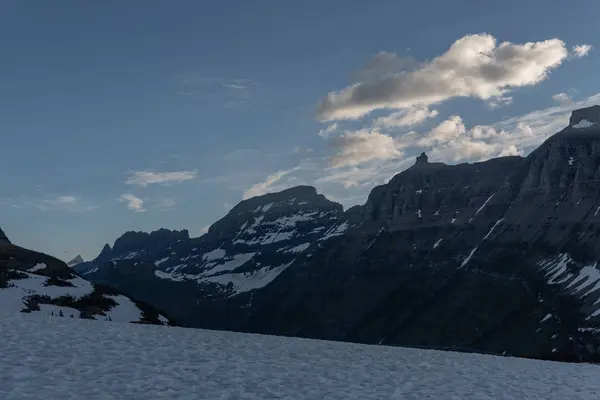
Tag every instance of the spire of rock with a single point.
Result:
(422, 159)
(3, 239)
(105, 253)
(585, 117)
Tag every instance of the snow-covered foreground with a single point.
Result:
(64, 358)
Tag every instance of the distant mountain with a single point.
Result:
(499, 256)
(216, 275)
(32, 282)
(77, 260)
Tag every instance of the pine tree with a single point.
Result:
(60, 313)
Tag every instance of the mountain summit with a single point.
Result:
(585, 117)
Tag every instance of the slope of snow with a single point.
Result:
(298, 249)
(244, 282)
(37, 267)
(484, 204)
(34, 284)
(64, 358)
(335, 231)
(584, 123)
(215, 254)
(52, 310)
(125, 311)
(466, 260)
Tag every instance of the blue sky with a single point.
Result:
(137, 115)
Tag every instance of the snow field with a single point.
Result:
(64, 358)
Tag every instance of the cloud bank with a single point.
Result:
(474, 66)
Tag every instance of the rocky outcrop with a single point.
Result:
(499, 256)
(3, 239)
(590, 114)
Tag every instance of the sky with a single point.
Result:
(138, 115)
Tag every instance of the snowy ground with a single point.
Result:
(64, 358)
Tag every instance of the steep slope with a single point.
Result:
(496, 256)
(35, 282)
(210, 281)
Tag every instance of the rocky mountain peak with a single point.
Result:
(422, 159)
(105, 253)
(3, 238)
(585, 117)
(305, 197)
(132, 240)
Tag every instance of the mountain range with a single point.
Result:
(497, 256)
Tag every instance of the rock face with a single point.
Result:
(3, 239)
(590, 114)
(499, 256)
(33, 282)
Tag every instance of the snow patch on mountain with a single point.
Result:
(584, 123)
(245, 282)
(125, 311)
(37, 267)
(162, 260)
(335, 231)
(466, 260)
(234, 262)
(298, 249)
(582, 283)
(215, 254)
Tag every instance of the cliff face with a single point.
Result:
(3, 239)
(497, 256)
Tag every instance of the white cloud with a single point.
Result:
(499, 102)
(452, 141)
(67, 199)
(269, 185)
(562, 98)
(474, 66)
(133, 203)
(449, 129)
(384, 64)
(145, 178)
(581, 50)
(204, 229)
(354, 148)
(55, 203)
(407, 117)
(365, 176)
(328, 130)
